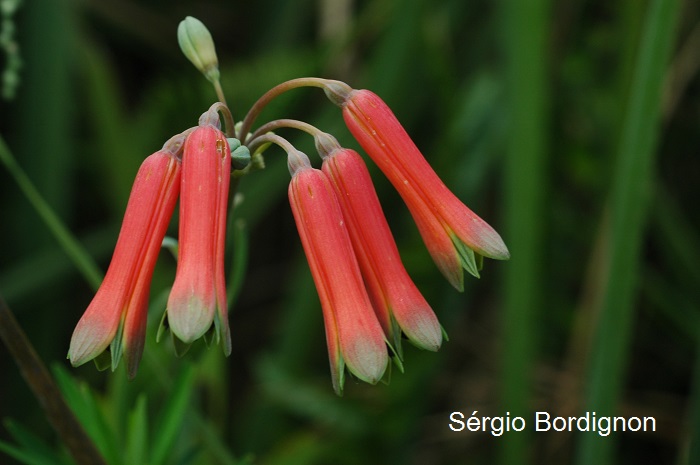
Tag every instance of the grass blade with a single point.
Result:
(137, 433)
(526, 28)
(33, 451)
(70, 245)
(171, 419)
(628, 203)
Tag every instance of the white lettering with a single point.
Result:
(460, 423)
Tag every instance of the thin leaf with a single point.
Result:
(65, 238)
(171, 418)
(82, 403)
(34, 451)
(136, 450)
(526, 28)
(22, 455)
(628, 215)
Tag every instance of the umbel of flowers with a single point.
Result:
(369, 302)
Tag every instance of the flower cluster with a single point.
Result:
(368, 300)
(196, 166)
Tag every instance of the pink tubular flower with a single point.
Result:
(395, 298)
(117, 313)
(450, 230)
(198, 295)
(353, 334)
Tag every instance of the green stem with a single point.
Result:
(325, 143)
(272, 138)
(70, 245)
(284, 123)
(45, 390)
(257, 108)
(220, 93)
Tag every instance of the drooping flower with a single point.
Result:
(454, 235)
(117, 314)
(197, 301)
(353, 333)
(397, 301)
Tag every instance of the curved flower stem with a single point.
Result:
(296, 159)
(221, 108)
(272, 138)
(326, 84)
(325, 143)
(45, 390)
(284, 123)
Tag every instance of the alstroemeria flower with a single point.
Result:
(117, 313)
(396, 299)
(353, 333)
(198, 296)
(450, 230)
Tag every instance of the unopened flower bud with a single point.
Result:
(240, 155)
(198, 46)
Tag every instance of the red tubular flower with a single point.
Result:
(353, 334)
(198, 295)
(395, 298)
(441, 217)
(117, 313)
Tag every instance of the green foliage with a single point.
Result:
(8, 44)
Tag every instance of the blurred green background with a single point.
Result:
(571, 126)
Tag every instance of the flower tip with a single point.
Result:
(422, 328)
(82, 355)
(504, 255)
(189, 319)
(489, 243)
(89, 340)
(367, 361)
(75, 360)
(427, 338)
(187, 330)
(455, 278)
(496, 249)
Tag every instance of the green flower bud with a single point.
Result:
(198, 46)
(240, 155)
